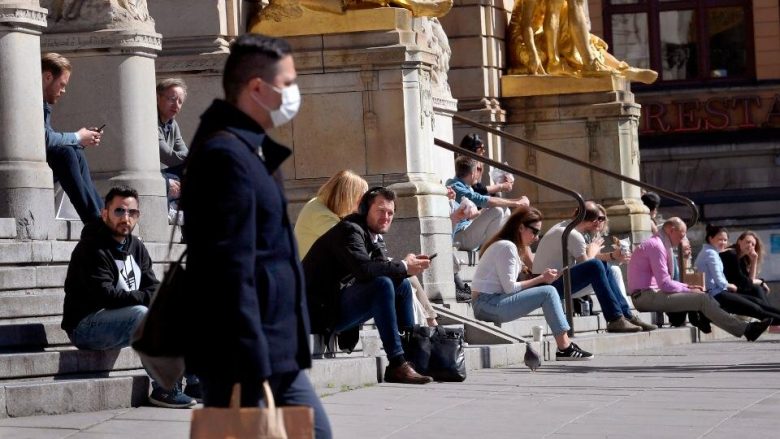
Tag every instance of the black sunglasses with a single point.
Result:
(533, 230)
(601, 219)
(120, 212)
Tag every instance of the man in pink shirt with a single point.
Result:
(652, 288)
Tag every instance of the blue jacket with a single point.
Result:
(248, 309)
(56, 138)
(463, 190)
(708, 262)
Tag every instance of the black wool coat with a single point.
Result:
(248, 310)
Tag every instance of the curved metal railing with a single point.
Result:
(661, 191)
(556, 187)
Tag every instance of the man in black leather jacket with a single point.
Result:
(350, 280)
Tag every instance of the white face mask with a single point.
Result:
(291, 102)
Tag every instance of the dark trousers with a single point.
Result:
(388, 302)
(596, 273)
(293, 388)
(70, 168)
(745, 305)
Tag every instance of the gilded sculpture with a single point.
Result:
(552, 37)
(279, 10)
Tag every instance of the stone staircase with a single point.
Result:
(42, 373)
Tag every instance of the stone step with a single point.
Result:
(28, 277)
(46, 276)
(606, 343)
(73, 395)
(31, 303)
(13, 252)
(7, 228)
(43, 333)
(125, 388)
(65, 360)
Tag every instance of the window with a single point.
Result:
(685, 41)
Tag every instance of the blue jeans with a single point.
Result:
(500, 308)
(111, 329)
(388, 302)
(292, 388)
(70, 168)
(108, 328)
(596, 273)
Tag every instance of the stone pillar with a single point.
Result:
(368, 105)
(476, 32)
(599, 127)
(25, 178)
(196, 54)
(112, 46)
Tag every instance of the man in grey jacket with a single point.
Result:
(171, 94)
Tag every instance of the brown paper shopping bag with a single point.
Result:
(236, 422)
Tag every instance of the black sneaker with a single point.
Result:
(175, 399)
(193, 390)
(573, 353)
(463, 295)
(755, 329)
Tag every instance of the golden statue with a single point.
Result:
(278, 10)
(552, 37)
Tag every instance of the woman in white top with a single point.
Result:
(498, 297)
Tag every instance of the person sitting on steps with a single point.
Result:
(498, 297)
(652, 288)
(109, 286)
(589, 267)
(350, 280)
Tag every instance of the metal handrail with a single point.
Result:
(661, 191)
(556, 187)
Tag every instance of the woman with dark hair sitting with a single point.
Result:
(742, 264)
(498, 297)
(726, 294)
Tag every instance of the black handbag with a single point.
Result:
(160, 339)
(436, 351)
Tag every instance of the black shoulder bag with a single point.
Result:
(160, 339)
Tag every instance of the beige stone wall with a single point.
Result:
(766, 32)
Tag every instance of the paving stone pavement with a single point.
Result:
(711, 390)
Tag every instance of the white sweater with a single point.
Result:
(498, 269)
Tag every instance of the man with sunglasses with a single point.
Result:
(109, 285)
(589, 266)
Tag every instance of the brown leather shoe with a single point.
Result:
(405, 374)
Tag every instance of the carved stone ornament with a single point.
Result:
(21, 14)
(92, 15)
(432, 36)
(280, 10)
(124, 41)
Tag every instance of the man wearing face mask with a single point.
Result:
(243, 270)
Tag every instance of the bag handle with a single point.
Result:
(235, 397)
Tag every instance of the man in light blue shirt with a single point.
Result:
(469, 234)
(64, 151)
